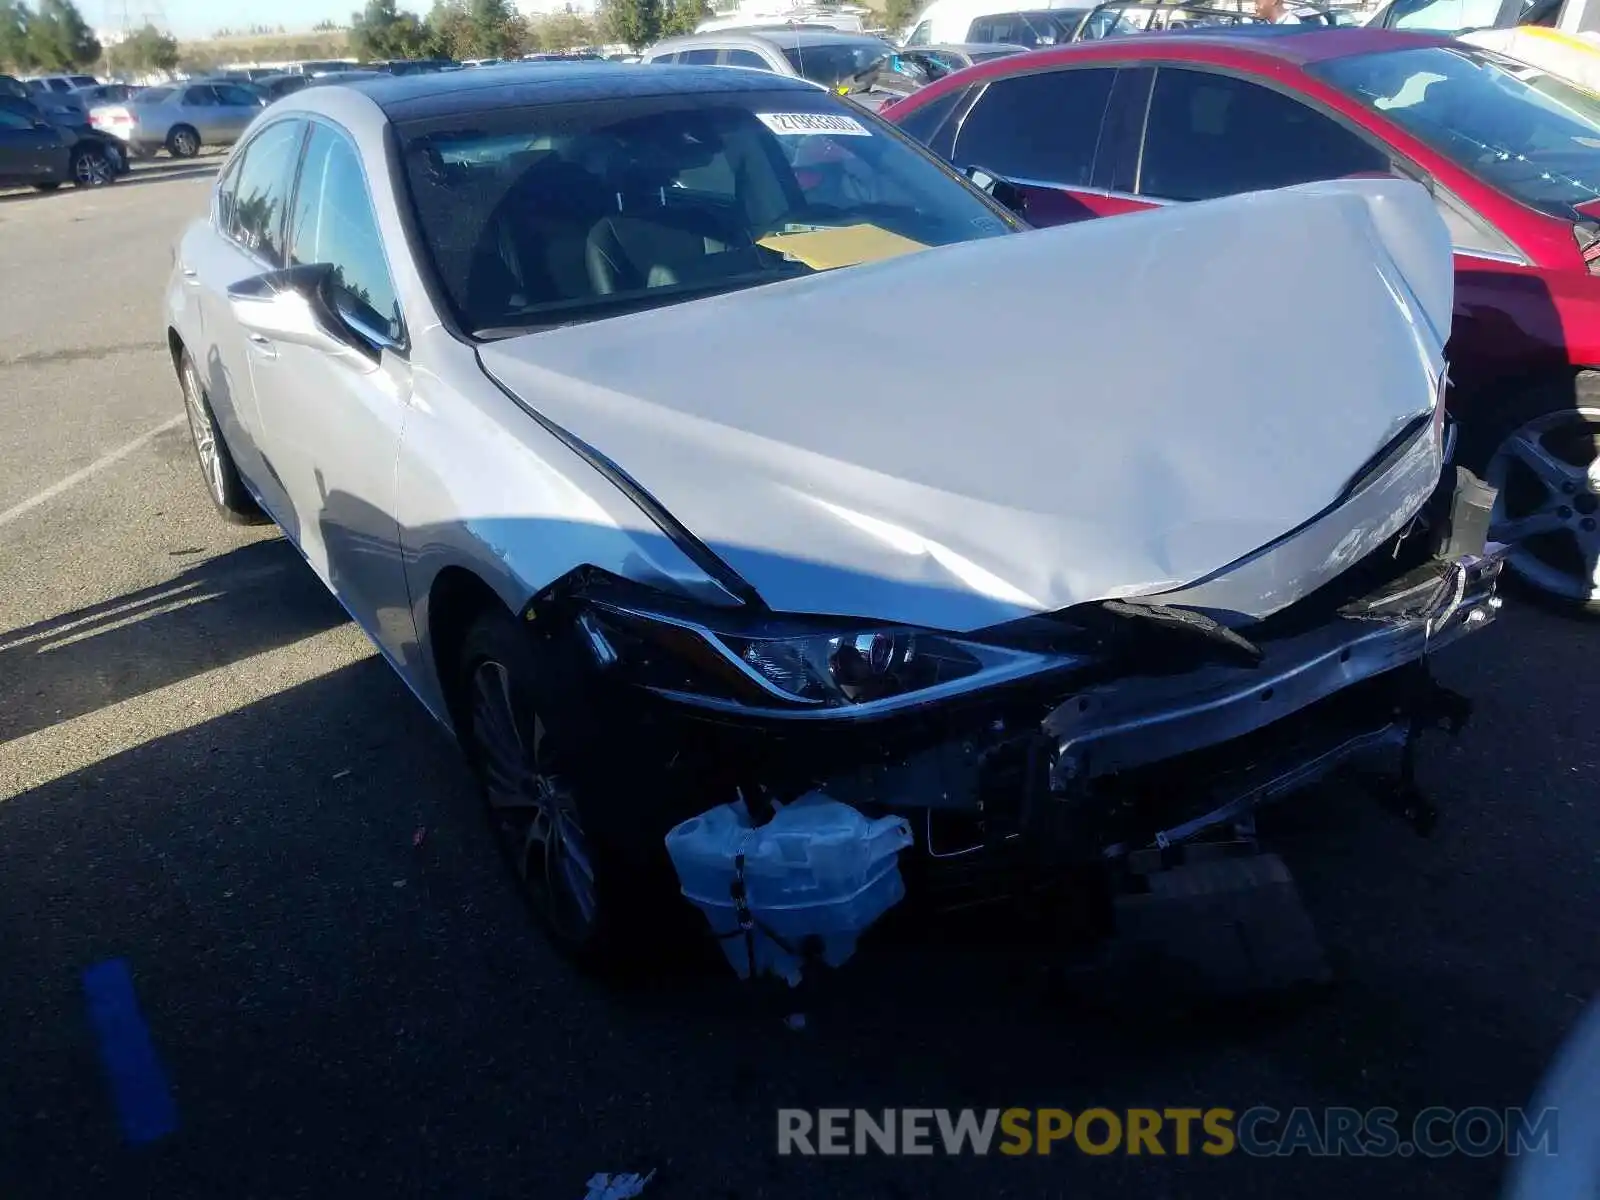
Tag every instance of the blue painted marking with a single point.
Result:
(138, 1084)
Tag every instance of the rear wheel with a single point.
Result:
(92, 167)
(1541, 451)
(221, 477)
(183, 142)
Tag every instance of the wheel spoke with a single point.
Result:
(536, 813)
(1551, 471)
(1515, 529)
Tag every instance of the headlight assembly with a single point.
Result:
(826, 670)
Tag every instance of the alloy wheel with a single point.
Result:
(92, 169)
(1547, 474)
(532, 808)
(204, 431)
(183, 142)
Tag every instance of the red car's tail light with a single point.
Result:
(1586, 232)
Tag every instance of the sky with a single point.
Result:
(201, 18)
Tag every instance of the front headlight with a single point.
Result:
(818, 671)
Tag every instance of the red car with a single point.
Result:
(1510, 154)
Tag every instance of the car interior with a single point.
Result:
(671, 199)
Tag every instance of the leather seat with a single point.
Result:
(664, 246)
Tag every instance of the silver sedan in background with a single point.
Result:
(181, 118)
(558, 377)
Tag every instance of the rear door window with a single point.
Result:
(699, 58)
(745, 58)
(1011, 128)
(200, 97)
(1217, 135)
(236, 96)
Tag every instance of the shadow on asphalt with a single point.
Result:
(169, 172)
(350, 1000)
(142, 173)
(220, 611)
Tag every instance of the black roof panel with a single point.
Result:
(413, 97)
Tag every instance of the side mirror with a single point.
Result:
(1000, 189)
(293, 306)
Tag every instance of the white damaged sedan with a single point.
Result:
(690, 441)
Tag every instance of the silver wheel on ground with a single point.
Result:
(183, 142)
(204, 431)
(223, 484)
(1547, 473)
(533, 811)
(92, 168)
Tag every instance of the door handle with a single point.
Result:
(191, 277)
(262, 345)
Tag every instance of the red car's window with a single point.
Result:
(1217, 135)
(1518, 128)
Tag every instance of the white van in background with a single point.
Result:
(958, 22)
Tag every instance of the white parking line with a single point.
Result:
(94, 468)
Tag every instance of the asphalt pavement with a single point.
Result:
(211, 785)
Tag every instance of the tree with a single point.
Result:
(449, 30)
(900, 14)
(14, 50)
(145, 49)
(381, 31)
(566, 31)
(634, 23)
(58, 37)
(489, 19)
(520, 37)
(683, 16)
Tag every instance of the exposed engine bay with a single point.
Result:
(1160, 726)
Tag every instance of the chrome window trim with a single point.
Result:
(1516, 260)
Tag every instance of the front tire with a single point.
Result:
(217, 469)
(1541, 451)
(559, 786)
(183, 142)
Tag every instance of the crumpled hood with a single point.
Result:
(968, 434)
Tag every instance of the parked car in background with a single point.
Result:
(102, 93)
(182, 117)
(641, 586)
(410, 66)
(57, 106)
(1510, 154)
(947, 22)
(281, 85)
(941, 60)
(823, 56)
(322, 66)
(60, 84)
(44, 153)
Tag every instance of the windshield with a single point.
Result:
(833, 63)
(1522, 130)
(562, 213)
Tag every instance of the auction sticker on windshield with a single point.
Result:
(790, 124)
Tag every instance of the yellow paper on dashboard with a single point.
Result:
(824, 249)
